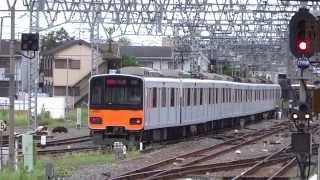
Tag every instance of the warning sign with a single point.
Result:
(3, 125)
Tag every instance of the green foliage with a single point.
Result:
(45, 119)
(55, 38)
(124, 41)
(20, 117)
(21, 174)
(227, 70)
(110, 31)
(128, 61)
(64, 165)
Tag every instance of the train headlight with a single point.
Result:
(295, 116)
(307, 116)
(95, 120)
(135, 121)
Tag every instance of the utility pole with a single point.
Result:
(12, 90)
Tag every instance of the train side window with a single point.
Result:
(230, 95)
(154, 97)
(163, 97)
(149, 97)
(201, 96)
(184, 94)
(209, 95)
(222, 95)
(189, 97)
(218, 94)
(213, 100)
(172, 97)
(195, 96)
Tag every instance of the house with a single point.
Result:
(155, 57)
(63, 67)
(5, 68)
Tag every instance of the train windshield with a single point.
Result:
(114, 91)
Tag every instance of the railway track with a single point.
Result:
(66, 141)
(69, 150)
(197, 159)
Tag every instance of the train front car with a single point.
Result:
(115, 108)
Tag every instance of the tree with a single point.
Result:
(128, 61)
(54, 39)
(124, 41)
(110, 32)
(227, 70)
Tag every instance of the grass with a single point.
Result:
(45, 119)
(64, 165)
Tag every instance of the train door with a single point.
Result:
(147, 106)
(183, 103)
(163, 106)
(178, 104)
(154, 112)
(172, 108)
(218, 104)
(189, 103)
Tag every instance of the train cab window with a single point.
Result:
(189, 97)
(163, 97)
(201, 96)
(154, 97)
(116, 92)
(96, 97)
(172, 96)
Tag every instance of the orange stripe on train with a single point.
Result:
(116, 118)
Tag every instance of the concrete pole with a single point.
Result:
(318, 174)
(12, 91)
(303, 93)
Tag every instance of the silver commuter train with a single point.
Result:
(175, 107)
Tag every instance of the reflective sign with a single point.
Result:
(303, 63)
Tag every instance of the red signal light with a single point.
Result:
(302, 45)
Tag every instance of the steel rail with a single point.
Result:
(151, 170)
(143, 175)
(65, 150)
(284, 169)
(213, 169)
(259, 164)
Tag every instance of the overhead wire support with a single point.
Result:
(33, 66)
(12, 89)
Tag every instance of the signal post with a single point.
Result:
(304, 41)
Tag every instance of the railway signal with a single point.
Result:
(303, 33)
(30, 42)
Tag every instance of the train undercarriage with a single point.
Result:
(133, 138)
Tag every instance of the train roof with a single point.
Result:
(167, 79)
